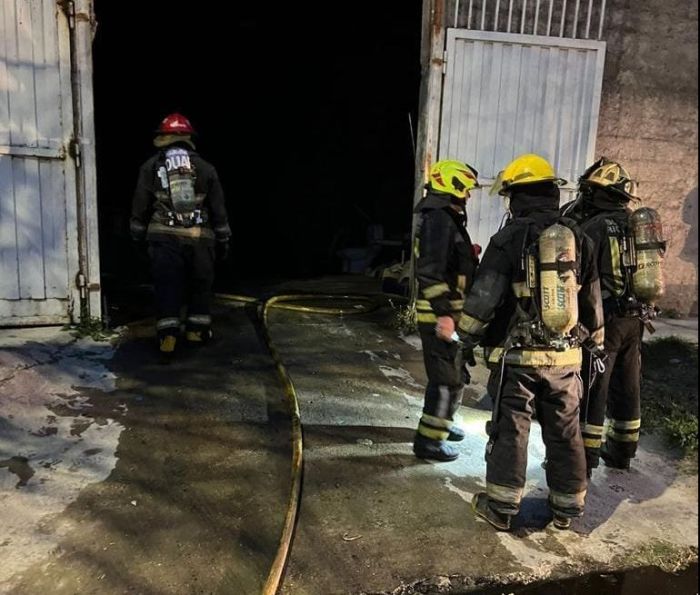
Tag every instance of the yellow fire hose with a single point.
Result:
(361, 305)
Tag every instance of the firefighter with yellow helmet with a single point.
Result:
(445, 264)
(629, 251)
(538, 275)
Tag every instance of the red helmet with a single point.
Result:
(175, 124)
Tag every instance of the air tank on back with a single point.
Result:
(558, 285)
(649, 247)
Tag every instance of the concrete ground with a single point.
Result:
(122, 475)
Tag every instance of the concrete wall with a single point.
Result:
(649, 122)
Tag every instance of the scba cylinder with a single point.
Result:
(558, 285)
(647, 234)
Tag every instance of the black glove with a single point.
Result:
(468, 344)
(468, 356)
(466, 376)
(222, 250)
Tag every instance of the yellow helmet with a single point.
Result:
(453, 177)
(611, 176)
(526, 169)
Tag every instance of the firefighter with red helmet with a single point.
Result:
(178, 209)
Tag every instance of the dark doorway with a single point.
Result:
(304, 112)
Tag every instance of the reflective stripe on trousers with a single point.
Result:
(443, 392)
(557, 392)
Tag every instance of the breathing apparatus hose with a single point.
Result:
(492, 424)
(361, 304)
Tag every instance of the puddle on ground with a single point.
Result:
(20, 467)
(640, 581)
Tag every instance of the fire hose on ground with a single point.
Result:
(361, 304)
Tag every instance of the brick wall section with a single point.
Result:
(649, 122)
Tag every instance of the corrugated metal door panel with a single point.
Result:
(507, 94)
(32, 73)
(30, 248)
(37, 193)
(4, 79)
(9, 274)
(54, 223)
(48, 88)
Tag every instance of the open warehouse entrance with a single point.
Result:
(306, 116)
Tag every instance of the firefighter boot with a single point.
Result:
(437, 450)
(456, 434)
(200, 337)
(482, 507)
(561, 517)
(166, 347)
(561, 522)
(612, 459)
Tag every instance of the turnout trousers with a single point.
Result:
(443, 392)
(615, 394)
(183, 275)
(554, 394)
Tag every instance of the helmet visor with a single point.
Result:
(497, 185)
(629, 187)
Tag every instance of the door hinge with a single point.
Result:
(81, 284)
(68, 8)
(75, 151)
(444, 62)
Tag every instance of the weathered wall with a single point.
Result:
(649, 122)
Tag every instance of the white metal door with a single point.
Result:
(38, 215)
(505, 95)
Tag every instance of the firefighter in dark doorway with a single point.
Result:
(539, 274)
(446, 261)
(629, 250)
(178, 208)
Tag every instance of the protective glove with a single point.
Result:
(468, 356)
(466, 375)
(468, 344)
(222, 250)
(476, 250)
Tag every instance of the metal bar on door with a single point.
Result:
(522, 17)
(537, 17)
(578, 3)
(563, 19)
(549, 16)
(602, 17)
(495, 18)
(483, 15)
(469, 15)
(588, 19)
(457, 14)
(510, 14)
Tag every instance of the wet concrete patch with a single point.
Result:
(375, 520)
(640, 581)
(195, 500)
(20, 467)
(40, 400)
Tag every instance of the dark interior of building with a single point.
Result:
(308, 116)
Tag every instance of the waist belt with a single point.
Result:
(187, 219)
(537, 358)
